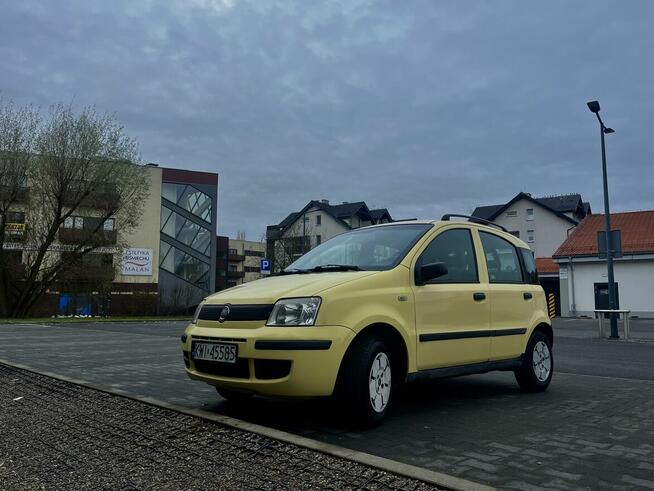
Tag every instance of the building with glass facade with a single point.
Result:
(187, 245)
(165, 265)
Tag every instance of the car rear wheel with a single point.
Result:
(233, 396)
(537, 368)
(366, 382)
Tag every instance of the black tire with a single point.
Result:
(233, 396)
(354, 382)
(531, 377)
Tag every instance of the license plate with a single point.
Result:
(225, 353)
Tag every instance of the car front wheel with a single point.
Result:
(537, 368)
(366, 385)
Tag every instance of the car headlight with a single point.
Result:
(197, 312)
(294, 312)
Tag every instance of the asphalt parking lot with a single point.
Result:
(594, 428)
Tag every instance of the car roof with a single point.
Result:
(441, 223)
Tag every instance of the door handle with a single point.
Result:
(527, 296)
(479, 296)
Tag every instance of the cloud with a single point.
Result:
(422, 107)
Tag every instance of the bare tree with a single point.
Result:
(79, 163)
(295, 242)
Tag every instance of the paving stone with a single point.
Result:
(597, 427)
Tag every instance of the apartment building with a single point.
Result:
(317, 222)
(244, 261)
(167, 264)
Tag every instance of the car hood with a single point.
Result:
(269, 290)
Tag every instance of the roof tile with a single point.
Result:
(636, 227)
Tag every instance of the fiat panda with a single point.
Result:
(376, 307)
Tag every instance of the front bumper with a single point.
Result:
(277, 361)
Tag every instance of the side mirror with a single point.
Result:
(428, 272)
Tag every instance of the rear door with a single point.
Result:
(452, 312)
(512, 298)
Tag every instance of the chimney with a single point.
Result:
(324, 201)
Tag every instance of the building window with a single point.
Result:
(318, 220)
(109, 224)
(530, 213)
(512, 213)
(184, 265)
(232, 267)
(89, 223)
(252, 269)
(232, 252)
(186, 231)
(318, 240)
(189, 198)
(253, 253)
(231, 284)
(531, 236)
(515, 233)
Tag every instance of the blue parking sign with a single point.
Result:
(265, 266)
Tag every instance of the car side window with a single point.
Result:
(455, 249)
(501, 259)
(531, 275)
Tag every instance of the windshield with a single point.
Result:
(375, 248)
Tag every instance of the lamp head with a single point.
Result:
(594, 106)
(608, 131)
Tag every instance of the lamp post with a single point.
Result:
(594, 107)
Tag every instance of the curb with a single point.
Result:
(426, 475)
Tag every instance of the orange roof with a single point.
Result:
(546, 265)
(636, 228)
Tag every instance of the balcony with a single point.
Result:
(235, 274)
(21, 194)
(88, 274)
(77, 236)
(235, 258)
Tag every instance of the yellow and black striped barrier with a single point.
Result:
(551, 305)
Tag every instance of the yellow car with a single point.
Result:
(376, 307)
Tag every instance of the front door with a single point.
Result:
(452, 311)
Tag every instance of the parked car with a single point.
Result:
(376, 307)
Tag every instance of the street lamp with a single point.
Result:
(594, 107)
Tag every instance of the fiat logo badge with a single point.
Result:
(224, 313)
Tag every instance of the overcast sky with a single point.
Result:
(423, 107)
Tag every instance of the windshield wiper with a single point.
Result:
(292, 271)
(335, 267)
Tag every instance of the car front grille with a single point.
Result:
(253, 312)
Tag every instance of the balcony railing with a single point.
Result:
(88, 274)
(236, 257)
(77, 236)
(21, 194)
(235, 274)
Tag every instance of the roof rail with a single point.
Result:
(472, 219)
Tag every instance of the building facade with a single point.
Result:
(583, 274)
(244, 261)
(317, 222)
(167, 264)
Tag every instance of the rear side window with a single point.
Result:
(501, 259)
(531, 275)
(455, 249)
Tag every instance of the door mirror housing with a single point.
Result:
(431, 271)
